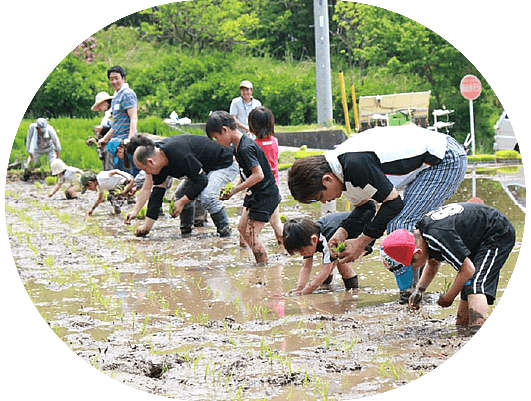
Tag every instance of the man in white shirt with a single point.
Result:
(41, 140)
(241, 106)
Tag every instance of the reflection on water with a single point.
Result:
(518, 192)
(140, 286)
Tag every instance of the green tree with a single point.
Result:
(202, 24)
(69, 90)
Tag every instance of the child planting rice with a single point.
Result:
(117, 183)
(306, 237)
(257, 180)
(65, 174)
(474, 239)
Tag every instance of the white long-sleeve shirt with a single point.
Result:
(35, 141)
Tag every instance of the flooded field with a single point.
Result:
(196, 319)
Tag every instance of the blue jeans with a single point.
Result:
(217, 179)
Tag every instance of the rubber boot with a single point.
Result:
(187, 220)
(221, 221)
(351, 283)
(200, 214)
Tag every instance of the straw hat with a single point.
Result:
(100, 97)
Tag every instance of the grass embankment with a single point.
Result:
(73, 134)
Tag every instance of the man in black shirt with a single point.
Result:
(207, 166)
(474, 239)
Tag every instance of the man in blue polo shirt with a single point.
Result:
(124, 107)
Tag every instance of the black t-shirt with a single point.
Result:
(364, 176)
(328, 225)
(249, 155)
(193, 157)
(454, 232)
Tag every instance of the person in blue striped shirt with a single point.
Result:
(124, 106)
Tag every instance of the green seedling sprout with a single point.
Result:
(142, 213)
(227, 189)
(283, 219)
(172, 206)
(340, 247)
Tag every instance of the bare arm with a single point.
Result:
(319, 279)
(257, 175)
(466, 271)
(98, 201)
(304, 275)
(133, 116)
(141, 199)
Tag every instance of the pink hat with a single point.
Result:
(399, 246)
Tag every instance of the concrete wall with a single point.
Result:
(321, 139)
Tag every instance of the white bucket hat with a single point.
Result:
(57, 166)
(100, 97)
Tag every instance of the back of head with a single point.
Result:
(141, 148)
(262, 122)
(298, 233)
(87, 177)
(57, 166)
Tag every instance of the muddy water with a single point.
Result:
(196, 319)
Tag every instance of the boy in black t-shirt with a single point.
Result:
(262, 196)
(306, 237)
(475, 239)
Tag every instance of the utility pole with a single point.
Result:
(322, 63)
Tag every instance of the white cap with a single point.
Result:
(246, 84)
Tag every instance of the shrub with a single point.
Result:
(508, 155)
(481, 158)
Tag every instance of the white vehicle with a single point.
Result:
(504, 137)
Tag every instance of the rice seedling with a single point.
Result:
(340, 247)
(51, 180)
(227, 189)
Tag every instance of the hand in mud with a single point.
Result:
(415, 299)
(444, 302)
(294, 292)
(130, 216)
(142, 231)
(177, 209)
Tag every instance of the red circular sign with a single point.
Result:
(470, 87)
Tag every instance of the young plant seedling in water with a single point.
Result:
(283, 219)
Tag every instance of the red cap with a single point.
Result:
(399, 246)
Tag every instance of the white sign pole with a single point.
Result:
(471, 89)
(472, 133)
